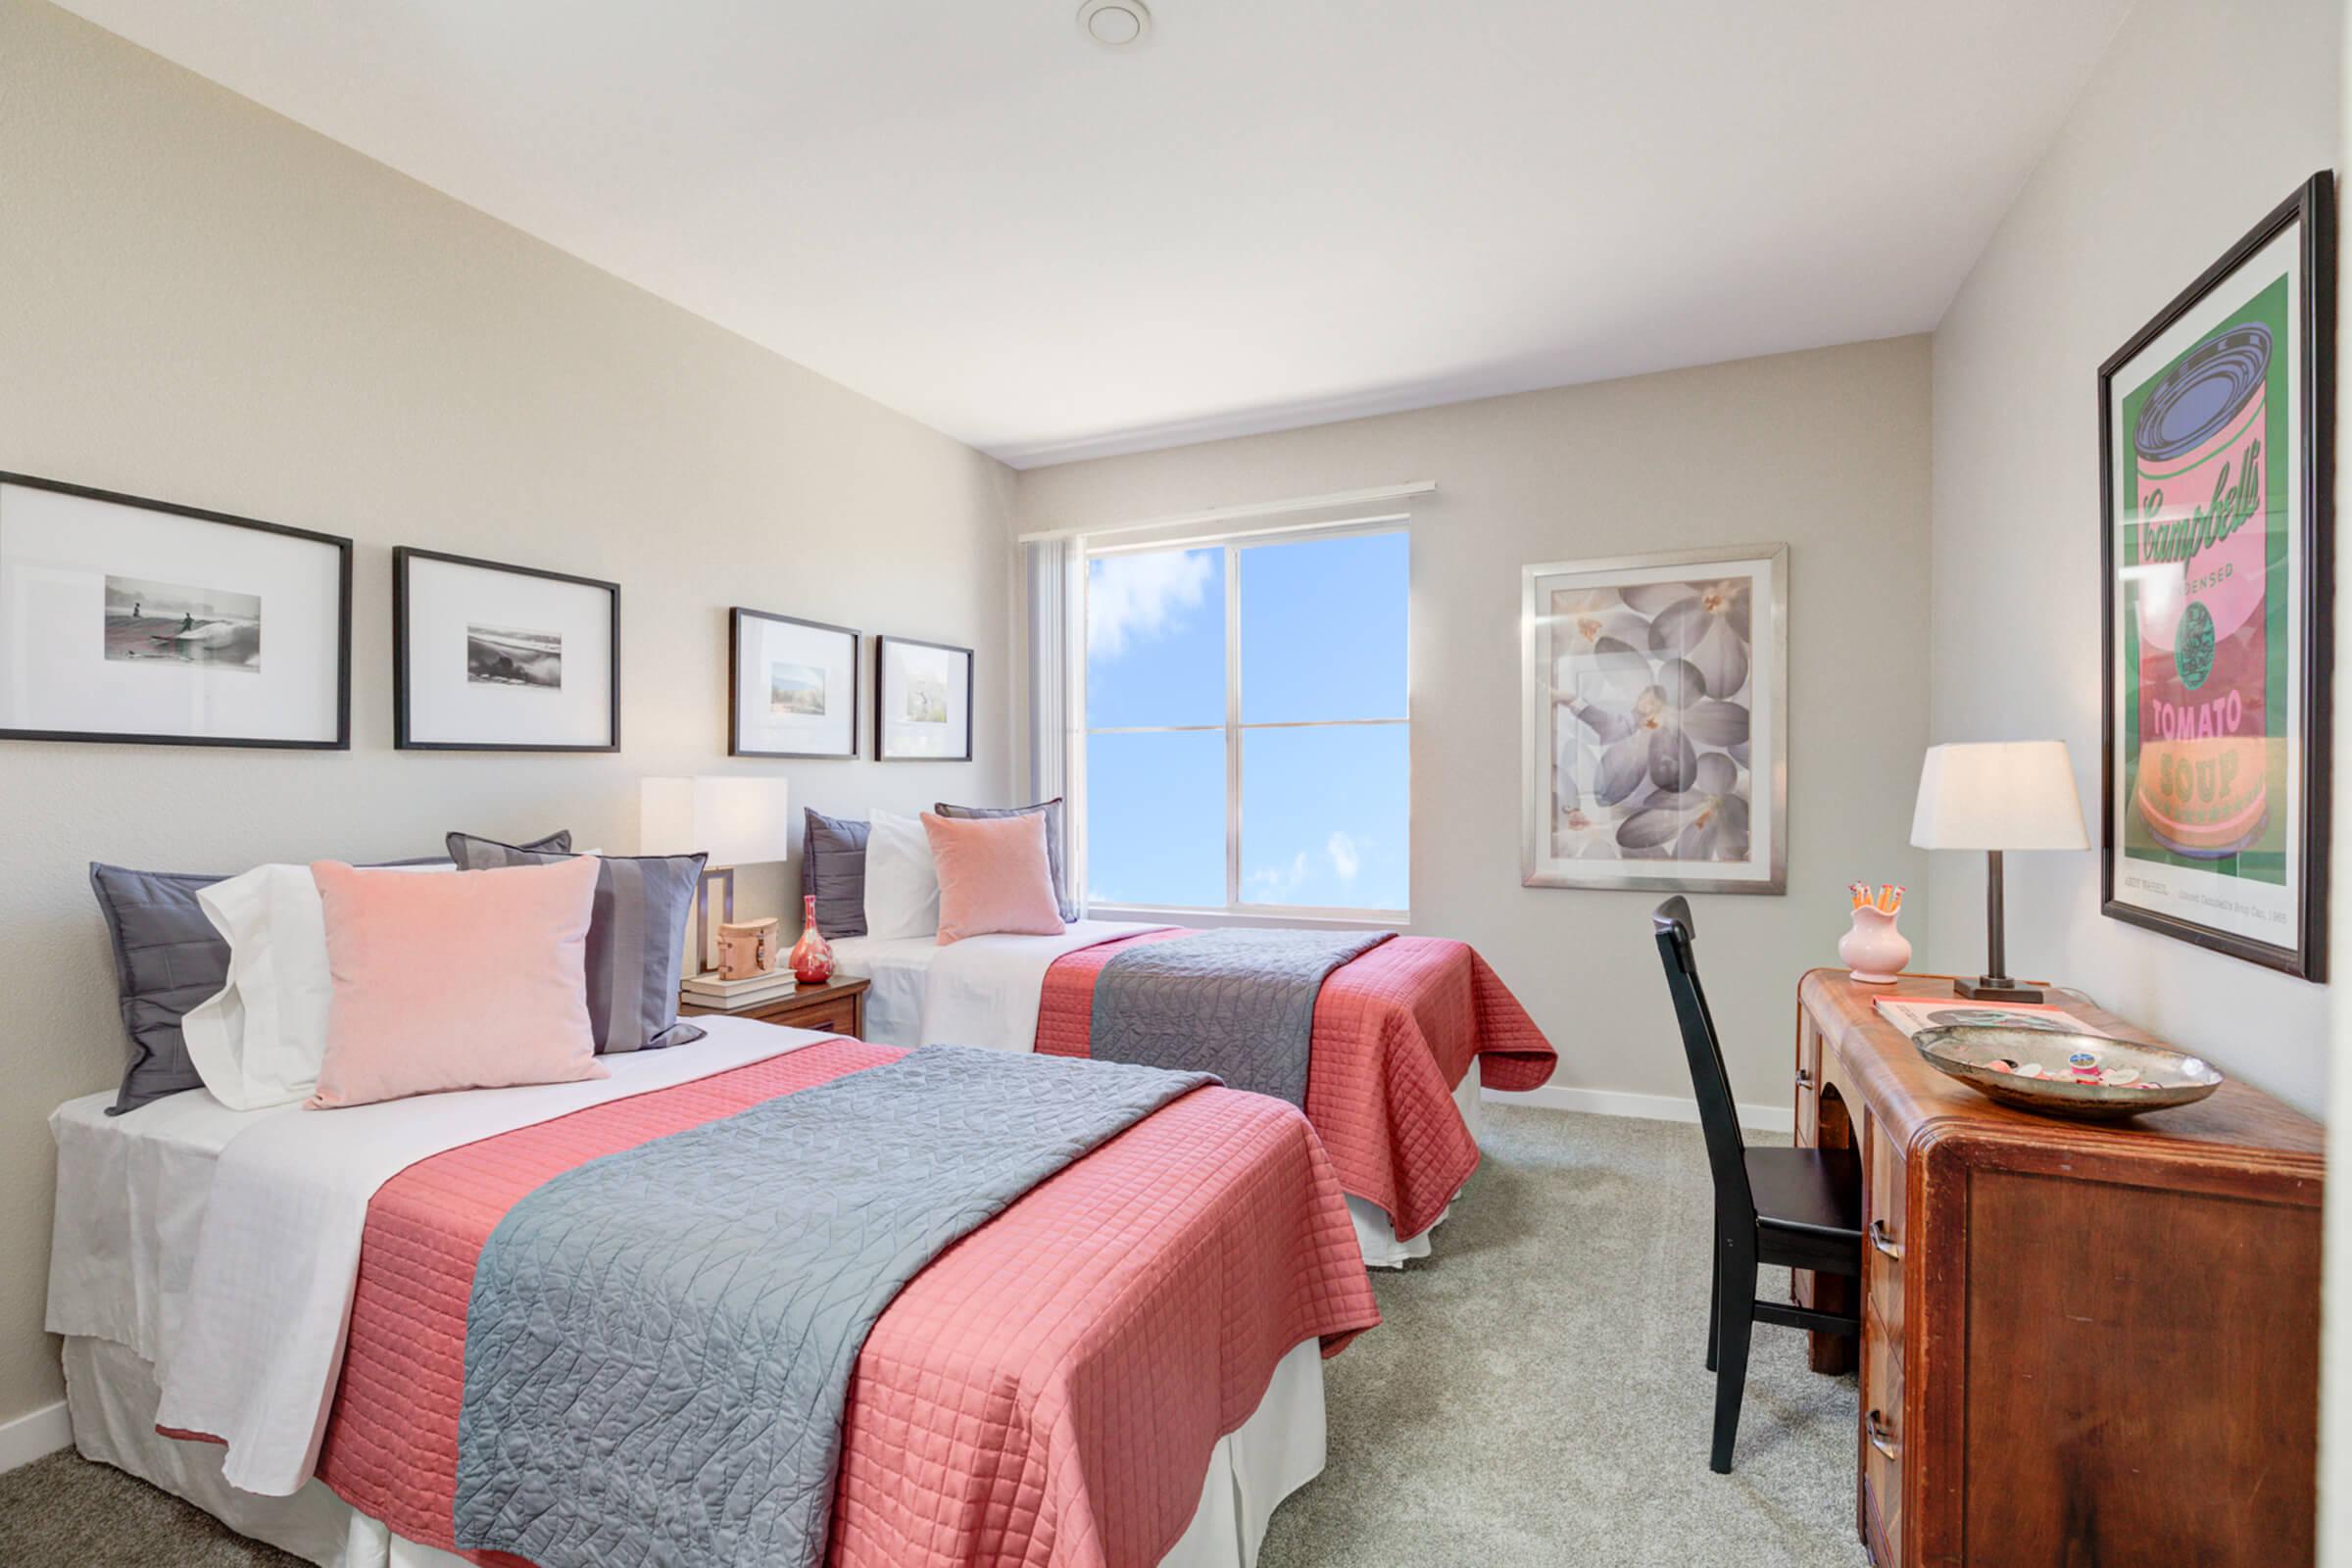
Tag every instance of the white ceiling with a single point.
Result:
(1274, 212)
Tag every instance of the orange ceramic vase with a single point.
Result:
(812, 956)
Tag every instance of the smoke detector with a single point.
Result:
(1114, 23)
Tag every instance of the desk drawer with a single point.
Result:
(1884, 1227)
(1883, 1439)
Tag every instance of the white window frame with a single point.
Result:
(1233, 912)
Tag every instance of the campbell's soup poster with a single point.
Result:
(2209, 627)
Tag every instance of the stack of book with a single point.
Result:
(709, 991)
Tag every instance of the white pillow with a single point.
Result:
(902, 885)
(259, 1041)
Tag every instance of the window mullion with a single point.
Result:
(1233, 726)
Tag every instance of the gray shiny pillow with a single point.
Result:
(636, 939)
(1052, 811)
(833, 871)
(168, 958)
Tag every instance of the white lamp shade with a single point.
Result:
(1998, 795)
(736, 822)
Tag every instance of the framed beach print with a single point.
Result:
(2215, 546)
(793, 687)
(922, 701)
(493, 657)
(1654, 738)
(124, 619)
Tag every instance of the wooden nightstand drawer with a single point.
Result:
(833, 1015)
(837, 1007)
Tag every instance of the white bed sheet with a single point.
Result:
(982, 990)
(221, 1245)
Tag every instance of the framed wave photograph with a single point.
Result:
(922, 701)
(2215, 424)
(495, 657)
(793, 686)
(1654, 695)
(124, 619)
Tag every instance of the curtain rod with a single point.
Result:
(1253, 509)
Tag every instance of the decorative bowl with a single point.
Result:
(2065, 1072)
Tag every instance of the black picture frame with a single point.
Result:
(882, 752)
(2313, 208)
(341, 740)
(735, 626)
(402, 740)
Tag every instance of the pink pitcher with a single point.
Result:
(1874, 951)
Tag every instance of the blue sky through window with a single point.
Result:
(1323, 810)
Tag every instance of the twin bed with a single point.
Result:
(772, 1297)
(1404, 1036)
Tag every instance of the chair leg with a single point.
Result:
(1715, 1306)
(1736, 1313)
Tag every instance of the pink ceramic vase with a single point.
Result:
(812, 958)
(1874, 951)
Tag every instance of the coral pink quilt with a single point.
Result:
(1395, 1030)
(1047, 1393)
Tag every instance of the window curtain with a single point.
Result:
(1048, 567)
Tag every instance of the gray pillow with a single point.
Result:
(833, 871)
(168, 958)
(636, 932)
(1052, 811)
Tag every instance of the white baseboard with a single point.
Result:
(33, 1435)
(1654, 1107)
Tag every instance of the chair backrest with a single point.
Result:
(1718, 1114)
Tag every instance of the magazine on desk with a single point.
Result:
(1911, 1015)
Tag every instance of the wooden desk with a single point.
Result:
(2082, 1343)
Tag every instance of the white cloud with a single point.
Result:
(1345, 858)
(1139, 597)
(1280, 880)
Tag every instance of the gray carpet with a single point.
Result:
(1538, 1396)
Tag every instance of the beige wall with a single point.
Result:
(202, 302)
(2134, 199)
(1827, 451)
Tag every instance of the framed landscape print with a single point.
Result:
(1654, 738)
(922, 701)
(2215, 557)
(792, 687)
(492, 657)
(128, 619)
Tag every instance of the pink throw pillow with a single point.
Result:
(993, 876)
(471, 980)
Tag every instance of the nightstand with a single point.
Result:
(838, 1007)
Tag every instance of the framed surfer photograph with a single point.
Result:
(495, 657)
(2215, 555)
(792, 685)
(922, 701)
(1654, 739)
(124, 619)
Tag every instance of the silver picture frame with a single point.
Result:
(1559, 810)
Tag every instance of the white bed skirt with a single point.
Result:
(111, 1395)
(1373, 1231)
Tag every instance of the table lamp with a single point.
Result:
(735, 821)
(1995, 795)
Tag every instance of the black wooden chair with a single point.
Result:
(1797, 1208)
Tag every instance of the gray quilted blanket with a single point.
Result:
(659, 1342)
(1240, 1004)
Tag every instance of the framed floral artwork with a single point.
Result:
(1655, 745)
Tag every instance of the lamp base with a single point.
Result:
(1995, 988)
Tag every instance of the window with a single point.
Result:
(1246, 732)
